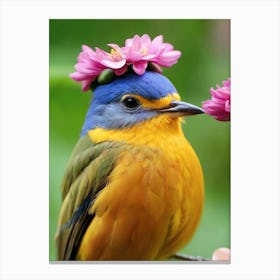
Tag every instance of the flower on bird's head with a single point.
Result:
(91, 63)
(141, 50)
(219, 105)
(138, 53)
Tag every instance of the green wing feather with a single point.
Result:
(86, 175)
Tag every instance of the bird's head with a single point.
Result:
(132, 99)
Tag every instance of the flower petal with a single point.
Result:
(145, 41)
(113, 64)
(86, 84)
(136, 42)
(120, 71)
(157, 41)
(77, 76)
(139, 67)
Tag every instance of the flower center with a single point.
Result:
(115, 55)
(144, 51)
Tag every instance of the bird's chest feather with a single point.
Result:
(158, 161)
(155, 190)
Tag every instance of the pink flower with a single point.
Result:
(141, 50)
(166, 56)
(219, 105)
(91, 63)
(137, 52)
(221, 254)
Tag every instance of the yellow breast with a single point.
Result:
(154, 198)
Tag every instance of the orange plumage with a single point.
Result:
(154, 198)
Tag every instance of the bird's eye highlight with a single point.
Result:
(131, 103)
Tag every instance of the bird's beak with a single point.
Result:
(180, 108)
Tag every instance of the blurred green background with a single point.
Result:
(205, 62)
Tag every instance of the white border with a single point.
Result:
(255, 138)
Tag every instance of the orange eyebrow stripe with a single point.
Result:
(155, 103)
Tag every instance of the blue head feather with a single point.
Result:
(107, 112)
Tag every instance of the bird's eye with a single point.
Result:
(130, 103)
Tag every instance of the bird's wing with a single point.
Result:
(85, 176)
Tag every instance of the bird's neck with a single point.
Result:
(149, 132)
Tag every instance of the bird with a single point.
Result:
(133, 188)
